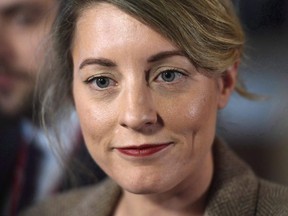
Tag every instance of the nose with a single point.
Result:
(138, 109)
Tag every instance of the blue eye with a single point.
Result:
(100, 82)
(169, 75)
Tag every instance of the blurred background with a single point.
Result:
(258, 130)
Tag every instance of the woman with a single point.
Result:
(147, 78)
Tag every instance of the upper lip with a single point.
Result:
(143, 146)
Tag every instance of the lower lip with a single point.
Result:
(142, 151)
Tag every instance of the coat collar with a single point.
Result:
(233, 190)
(234, 186)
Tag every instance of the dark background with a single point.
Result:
(258, 130)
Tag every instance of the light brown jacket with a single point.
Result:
(235, 191)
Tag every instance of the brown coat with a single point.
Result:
(235, 190)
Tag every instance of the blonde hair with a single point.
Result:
(207, 31)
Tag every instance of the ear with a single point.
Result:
(227, 83)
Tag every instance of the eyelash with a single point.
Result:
(95, 81)
(98, 79)
(176, 73)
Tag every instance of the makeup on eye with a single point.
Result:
(162, 75)
(170, 75)
(100, 82)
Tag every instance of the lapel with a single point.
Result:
(10, 142)
(233, 192)
(107, 195)
(234, 188)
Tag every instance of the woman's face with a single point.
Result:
(148, 117)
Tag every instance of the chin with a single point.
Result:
(142, 190)
(141, 187)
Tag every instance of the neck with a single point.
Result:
(187, 198)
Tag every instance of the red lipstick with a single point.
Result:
(143, 150)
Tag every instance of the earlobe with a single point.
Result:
(227, 83)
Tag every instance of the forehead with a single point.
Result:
(107, 19)
(108, 26)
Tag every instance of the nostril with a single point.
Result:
(140, 110)
(137, 121)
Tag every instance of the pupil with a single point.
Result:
(102, 82)
(168, 76)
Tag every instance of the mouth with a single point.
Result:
(143, 150)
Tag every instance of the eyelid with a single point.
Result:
(180, 74)
(91, 78)
(169, 68)
(89, 81)
(100, 73)
(160, 70)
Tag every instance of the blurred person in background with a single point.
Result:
(28, 169)
(149, 117)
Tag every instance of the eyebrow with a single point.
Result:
(108, 63)
(165, 54)
(99, 61)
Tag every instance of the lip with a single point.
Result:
(143, 150)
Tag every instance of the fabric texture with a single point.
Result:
(235, 190)
(21, 161)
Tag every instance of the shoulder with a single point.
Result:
(97, 199)
(272, 199)
(236, 190)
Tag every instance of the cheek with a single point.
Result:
(96, 126)
(192, 113)
(192, 120)
(95, 121)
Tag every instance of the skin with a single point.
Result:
(24, 26)
(136, 104)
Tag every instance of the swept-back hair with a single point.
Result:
(207, 31)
